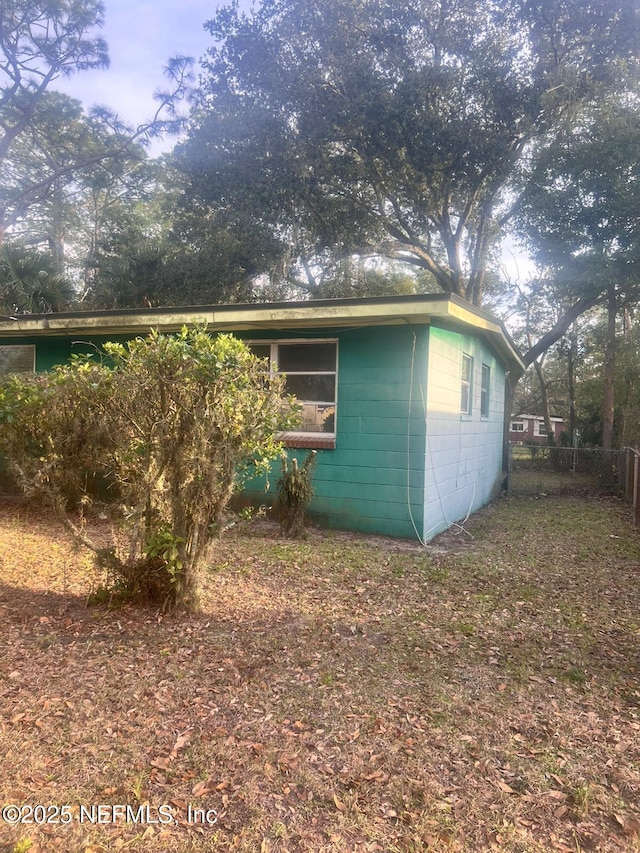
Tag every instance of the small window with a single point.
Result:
(517, 426)
(311, 376)
(466, 385)
(261, 350)
(485, 391)
(541, 429)
(17, 359)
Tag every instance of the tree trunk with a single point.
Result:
(569, 317)
(628, 382)
(542, 382)
(57, 228)
(544, 399)
(571, 375)
(609, 369)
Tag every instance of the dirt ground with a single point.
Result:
(342, 693)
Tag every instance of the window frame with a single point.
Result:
(536, 429)
(485, 391)
(31, 347)
(304, 438)
(517, 426)
(466, 385)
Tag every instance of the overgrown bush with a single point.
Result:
(295, 490)
(174, 422)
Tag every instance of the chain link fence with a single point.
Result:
(538, 469)
(630, 480)
(541, 470)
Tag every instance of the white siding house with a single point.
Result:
(465, 428)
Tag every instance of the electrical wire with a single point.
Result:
(459, 526)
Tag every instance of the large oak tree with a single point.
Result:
(581, 213)
(400, 130)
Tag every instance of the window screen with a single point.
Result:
(17, 359)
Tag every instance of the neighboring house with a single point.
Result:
(531, 429)
(403, 397)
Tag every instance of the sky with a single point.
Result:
(141, 37)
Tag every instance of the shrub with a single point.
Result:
(295, 490)
(174, 422)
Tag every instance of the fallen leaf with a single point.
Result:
(339, 804)
(504, 787)
(557, 795)
(632, 826)
(378, 776)
(201, 788)
(182, 741)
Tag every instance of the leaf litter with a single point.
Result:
(341, 693)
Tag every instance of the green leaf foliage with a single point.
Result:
(30, 282)
(295, 490)
(395, 129)
(172, 422)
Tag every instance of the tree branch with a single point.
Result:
(562, 326)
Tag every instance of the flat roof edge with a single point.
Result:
(324, 313)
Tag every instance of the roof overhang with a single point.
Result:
(315, 314)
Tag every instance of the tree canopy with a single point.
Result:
(30, 282)
(348, 147)
(46, 140)
(400, 130)
(40, 42)
(581, 213)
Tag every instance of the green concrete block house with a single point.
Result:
(403, 397)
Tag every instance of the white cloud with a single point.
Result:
(141, 38)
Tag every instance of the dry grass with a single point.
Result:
(340, 694)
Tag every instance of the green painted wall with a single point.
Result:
(375, 474)
(376, 471)
(58, 350)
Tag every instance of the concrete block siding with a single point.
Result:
(463, 452)
(406, 461)
(373, 480)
